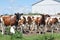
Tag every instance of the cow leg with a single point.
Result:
(16, 27)
(31, 28)
(38, 30)
(3, 28)
(24, 28)
(27, 27)
(45, 28)
(34, 27)
(21, 28)
(52, 27)
(41, 29)
(57, 27)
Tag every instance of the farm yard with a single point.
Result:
(29, 20)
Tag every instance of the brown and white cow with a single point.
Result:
(51, 21)
(9, 21)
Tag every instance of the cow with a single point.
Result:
(51, 21)
(22, 24)
(10, 21)
(40, 22)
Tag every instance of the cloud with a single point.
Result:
(12, 10)
(12, 1)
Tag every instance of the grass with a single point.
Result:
(48, 36)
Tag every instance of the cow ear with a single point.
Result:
(15, 13)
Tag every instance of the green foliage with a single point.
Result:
(55, 36)
(8, 30)
(16, 36)
(49, 37)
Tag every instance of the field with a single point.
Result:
(47, 36)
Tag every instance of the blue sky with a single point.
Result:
(12, 6)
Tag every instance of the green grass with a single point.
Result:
(48, 36)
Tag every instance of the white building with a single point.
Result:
(46, 7)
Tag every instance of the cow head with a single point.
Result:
(18, 15)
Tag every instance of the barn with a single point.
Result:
(50, 7)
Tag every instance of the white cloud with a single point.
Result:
(12, 1)
(12, 10)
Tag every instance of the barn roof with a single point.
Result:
(46, 2)
(36, 3)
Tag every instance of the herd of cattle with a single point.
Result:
(29, 23)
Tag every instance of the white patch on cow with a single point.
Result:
(26, 18)
(2, 25)
(12, 16)
(47, 19)
(22, 24)
(58, 19)
(1, 19)
(12, 29)
(51, 19)
(21, 17)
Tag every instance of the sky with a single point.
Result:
(13, 6)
